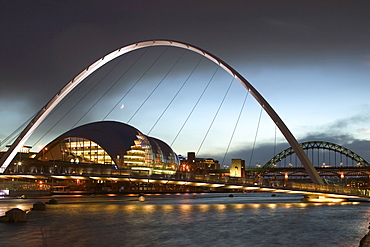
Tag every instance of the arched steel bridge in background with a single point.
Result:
(318, 145)
(44, 112)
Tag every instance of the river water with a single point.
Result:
(251, 219)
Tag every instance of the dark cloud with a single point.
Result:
(344, 124)
(343, 130)
(44, 44)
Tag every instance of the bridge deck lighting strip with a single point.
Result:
(77, 177)
(59, 177)
(191, 183)
(144, 180)
(266, 189)
(281, 191)
(27, 176)
(216, 185)
(317, 193)
(9, 176)
(120, 179)
(350, 197)
(344, 196)
(233, 186)
(141, 179)
(180, 182)
(174, 182)
(201, 184)
(333, 195)
(298, 192)
(163, 181)
(251, 188)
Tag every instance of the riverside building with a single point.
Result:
(198, 165)
(110, 144)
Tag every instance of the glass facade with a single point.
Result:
(76, 150)
(115, 144)
(142, 158)
(83, 150)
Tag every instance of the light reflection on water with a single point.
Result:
(179, 220)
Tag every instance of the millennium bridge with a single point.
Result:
(299, 164)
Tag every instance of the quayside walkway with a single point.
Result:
(313, 191)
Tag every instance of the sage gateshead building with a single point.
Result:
(112, 143)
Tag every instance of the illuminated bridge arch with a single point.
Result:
(318, 145)
(44, 112)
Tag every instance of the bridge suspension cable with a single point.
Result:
(79, 101)
(255, 137)
(195, 106)
(275, 141)
(14, 134)
(236, 124)
(177, 93)
(118, 102)
(156, 87)
(215, 116)
(97, 101)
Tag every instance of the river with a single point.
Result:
(250, 219)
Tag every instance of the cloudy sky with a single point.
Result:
(309, 59)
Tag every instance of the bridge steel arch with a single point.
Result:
(43, 113)
(318, 145)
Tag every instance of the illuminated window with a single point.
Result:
(85, 151)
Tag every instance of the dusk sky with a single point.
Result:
(309, 59)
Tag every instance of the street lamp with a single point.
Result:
(43, 152)
(18, 164)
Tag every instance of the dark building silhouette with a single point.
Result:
(198, 165)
